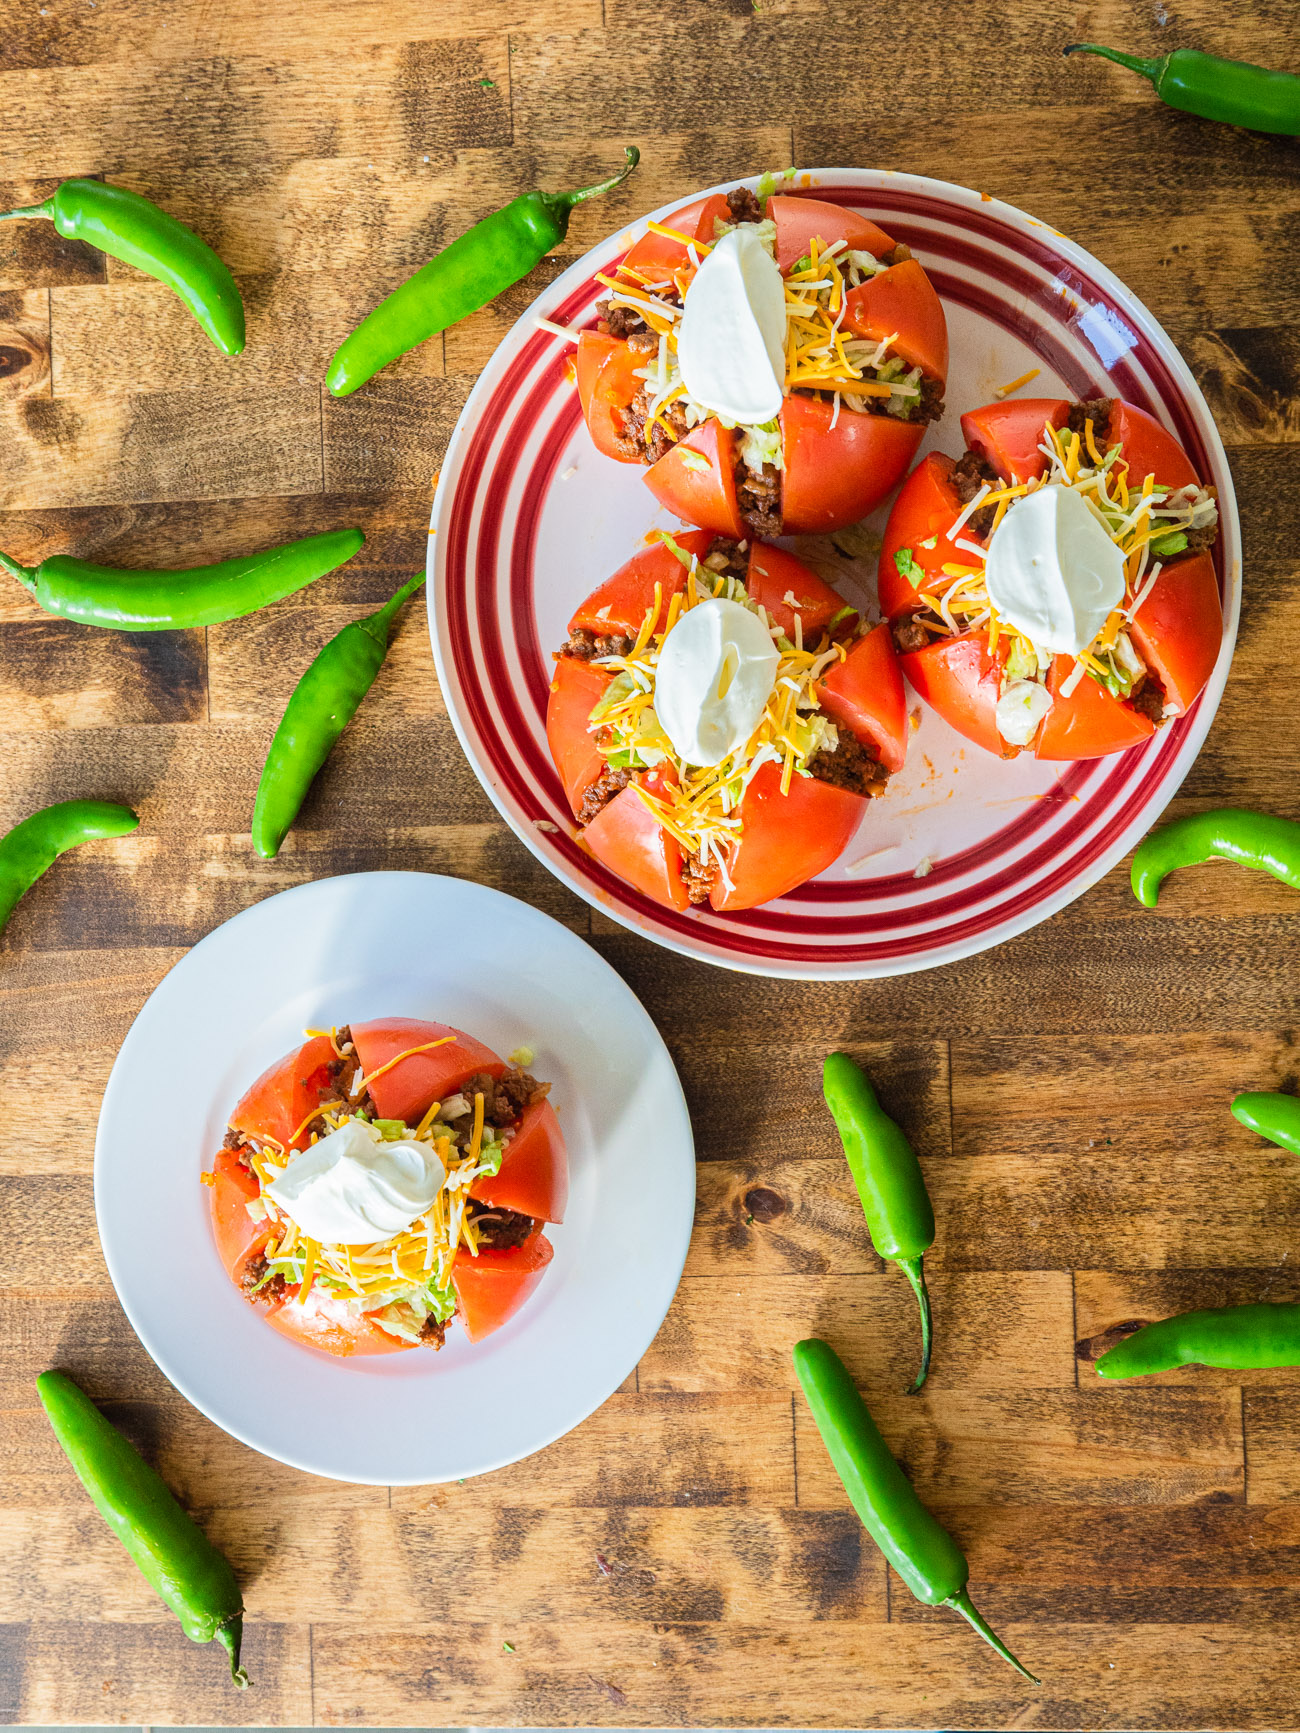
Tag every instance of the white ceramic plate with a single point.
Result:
(963, 851)
(348, 949)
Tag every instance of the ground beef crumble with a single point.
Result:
(505, 1097)
(1097, 410)
(1202, 540)
(971, 472)
(501, 1229)
(744, 206)
(909, 634)
(433, 1333)
(602, 791)
(254, 1270)
(1148, 698)
(698, 878)
(852, 766)
(583, 645)
(758, 494)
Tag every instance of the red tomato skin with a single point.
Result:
(926, 508)
(239, 1238)
(798, 220)
(626, 837)
(1089, 723)
(620, 603)
(962, 682)
(576, 689)
(694, 220)
(773, 574)
(834, 476)
(787, 838)
(865, 694)
(491, 1287)
(1007, 433)
(534, 1176)
(409, 1089)
(332, 1331)
(901, 303)
(276, 1105)
(607, 383)
(1148, 448)
(706, 497)
(1178, 630)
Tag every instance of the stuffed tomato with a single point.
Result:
(719, 718)
(1053, 590)
(774, 363)
(383, 1179)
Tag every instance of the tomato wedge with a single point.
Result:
(1007, 434)
(963, 682)
(491, 1287)
(607, 383)
(926, 508)
(1148, 448)
(865, 693)
(239, 1238)
(1178, 630)
(576, 689)
(773, 575)
(695, 221)
(1090, 723)
(278, 1104)
(325, 1323)
(626, 837)
(800, 221)
(786, 838)
(534, 1176)
(835, 475)
(620, 603)
(901, 304)
(412, 1086)
(697, 479)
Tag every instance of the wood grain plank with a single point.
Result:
(995, 1327)
(33, 255)
(1047, 1447)
(1272, 1421)
(393, 433)
(55, 674)
(1106, 1299)
(24, 343)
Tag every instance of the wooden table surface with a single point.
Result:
(685, 1557)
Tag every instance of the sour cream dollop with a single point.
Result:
(715, 675)
(731, 339)
(353, 1189)
(1020, 709)
(1052, 572)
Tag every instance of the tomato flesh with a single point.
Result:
(901, 304)
(835, 475)
(1007, 434)
(620, 604)
(773, 575)
(607, 383)
(576, 689)
(324, 1322)
(1090, 723)
(800, 221)
(963, 682)
(275, 1108)
(412, 1086)
(925, 510)
(239, 1238)
(695, 221)
(1149, 448)
(626, 837)
(491, 1287)
(1178, 630)
(786, 838)
(534, 1176)
(865, 694)
(697, 480)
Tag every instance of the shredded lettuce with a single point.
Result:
(845, 613)
(392, 1130)
(1022, 661)
(762, 445)
(771, 180)
(688, 560)
(1169, 545)
(908, 568)
(620, 688)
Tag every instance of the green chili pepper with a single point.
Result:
(1272, 1115)
(132, 601)
(476, 267)
(889, 1181)
(1233, 91)
(920, 1549)
(1238, 1337)
(134, 230)
(32, 847)
(1253, 839)
(324, 701)
(176, 1558)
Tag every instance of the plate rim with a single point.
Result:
(180, 1380)
(1162, 792)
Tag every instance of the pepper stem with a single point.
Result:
(230, 1636)
(45, 210)
(26, 575)
(568, 200)
(961, 1603)
(1136, 63)
(378, 623)
(914, 1270)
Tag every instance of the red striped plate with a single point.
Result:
(962, 851)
